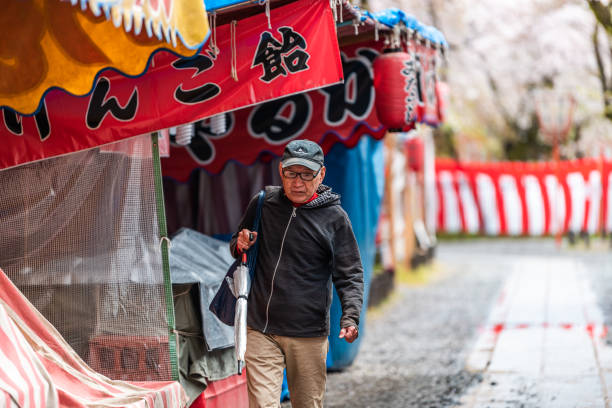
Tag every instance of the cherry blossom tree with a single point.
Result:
(500, 52)
(601, 46)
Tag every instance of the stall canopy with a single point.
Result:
(339, 113)
(51, 44)
(253, 64)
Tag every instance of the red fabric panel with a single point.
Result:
(340, 113)
(229, 392)
(573, 217)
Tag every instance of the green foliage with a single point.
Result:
(445, 141)
(526, 145)
(603, 15)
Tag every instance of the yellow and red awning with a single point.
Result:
(48, 44)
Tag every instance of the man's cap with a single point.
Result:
(303, 152)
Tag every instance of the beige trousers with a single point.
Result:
(266, 357)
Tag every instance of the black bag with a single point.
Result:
(223, 304)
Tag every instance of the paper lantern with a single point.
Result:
(442, 92)
(415, 153)
(396, 93)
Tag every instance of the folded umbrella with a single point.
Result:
(241, 286)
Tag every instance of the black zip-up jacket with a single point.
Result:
(301, 251)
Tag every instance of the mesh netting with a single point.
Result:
(80, 240)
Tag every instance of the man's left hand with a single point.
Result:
(349, 333)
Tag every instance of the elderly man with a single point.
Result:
(306, 242)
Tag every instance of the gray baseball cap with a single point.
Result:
(303, 152)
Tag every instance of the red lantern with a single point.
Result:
(427, 108)
(442, 92)
(396, 92)
(415, 153)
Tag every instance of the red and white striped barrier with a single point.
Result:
(39, 369)
(516, 198)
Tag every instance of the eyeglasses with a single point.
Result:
(306, 176)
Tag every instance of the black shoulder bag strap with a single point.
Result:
(252, 252)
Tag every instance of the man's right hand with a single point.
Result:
(349, 333)
(243, 243)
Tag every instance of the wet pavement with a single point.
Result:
(503, 323)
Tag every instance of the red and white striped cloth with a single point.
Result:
(515, 198)
(39, 369)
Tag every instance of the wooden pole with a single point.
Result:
(561, 223)
(390, 147)
(408, 216)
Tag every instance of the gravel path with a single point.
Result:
(414, 348)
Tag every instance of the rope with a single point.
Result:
(188, 334)
(182, 293)
(233, 46)
(411, 49)
(213, 40)
(268, 13)
(161, 241)
(332, 4)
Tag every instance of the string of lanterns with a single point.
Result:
(406, 80)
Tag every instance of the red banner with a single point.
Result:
(341, 112)
(514, 198)
(299, 53)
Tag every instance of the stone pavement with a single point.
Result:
(543, 344)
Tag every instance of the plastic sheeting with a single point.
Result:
(393, 16)
(198, 367)
(197, 258)
(358, 176)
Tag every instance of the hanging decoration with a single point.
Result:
(338, 113)
(442, 93)
(427, 106)
(405, 74)
(415, 153)
(166, 19)
(395, 83)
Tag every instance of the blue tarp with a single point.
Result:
(217, 4)
(357, 174)
(389, 17)
(393, 16)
